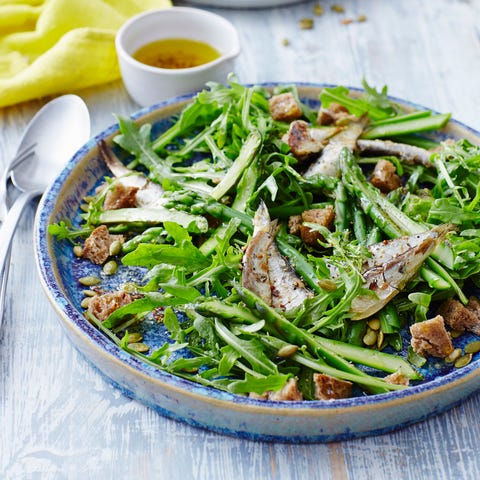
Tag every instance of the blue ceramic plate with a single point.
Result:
(313, 421)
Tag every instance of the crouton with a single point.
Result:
(97, 245)
(384, 176)
(284, 107)
(431, 338)
(101, 306)
(289, 392)
(305, 141)
(330, 388)
(322, 216)
(294, 224)
(120, 196)
(458, 317)
(397, 378)
(474, 307)
(333, 115)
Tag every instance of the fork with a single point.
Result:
(19, 158)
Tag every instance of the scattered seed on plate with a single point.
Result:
(362, 18)
(454, 356)
(85, 302)
(337, 8)
(472, 347)
(285, 42)
(380, 339)
(327, 284)
(90, 293)
(374, 324)
(306, 23)
(78, 250)
(370, 338)
(110, 267)
(456, 333)
(135, 337)
(287, 351)
(89, 280)
(115, 248)
(138, 347)
(463, 361)
(346, 21)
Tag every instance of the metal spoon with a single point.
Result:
(58, 130)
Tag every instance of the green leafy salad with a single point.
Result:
(290, 249)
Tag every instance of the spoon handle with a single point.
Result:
(6, 235)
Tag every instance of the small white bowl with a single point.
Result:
(149, 85)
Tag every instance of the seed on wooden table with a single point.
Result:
(455, 355)
(317, 9)
(89, 280)
(472, 347)
(138, 347)
(463, 361)
(306, 23)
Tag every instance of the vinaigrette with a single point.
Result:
(176, 53)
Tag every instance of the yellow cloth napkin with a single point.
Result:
(49, 47)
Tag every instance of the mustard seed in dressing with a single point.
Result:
(176, 53)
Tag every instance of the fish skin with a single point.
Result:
(409, 154)
(266, 272)
(392, 265)
(327, 162)
(149, 194)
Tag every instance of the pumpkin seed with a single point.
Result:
(463, 361)
(287, 351)
(454, 356)
(456, 333)
(85, 302)
(306, 23)
(380, 340)
(370, 338)
(337, 8)
(327, 284)
(90, 293)
(115, 248)
(317, 9)
(374, 324)
(138, 347)
(129, 287)
(110, 267)
(472, 347)
(135, 337)
(89, 280)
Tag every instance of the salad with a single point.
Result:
(288, 251)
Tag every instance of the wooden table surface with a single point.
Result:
(60, 419)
